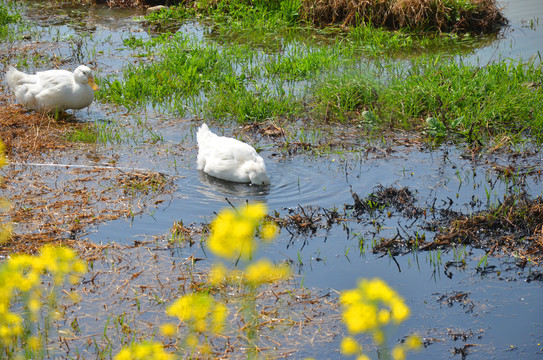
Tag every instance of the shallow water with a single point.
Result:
(505, 317)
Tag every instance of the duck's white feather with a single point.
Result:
(229, 159)
(53, 90)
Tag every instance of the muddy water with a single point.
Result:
(502, 318)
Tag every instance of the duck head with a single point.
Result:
(257, 173)
(83, 75)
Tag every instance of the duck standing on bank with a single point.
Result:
(229, 159)
(53, 90)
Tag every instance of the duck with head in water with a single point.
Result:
(229, 159)
(53, 90)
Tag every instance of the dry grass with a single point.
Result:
(478, 16)
(513, 228)
(28, 134)
(441, 15)
(54, 203)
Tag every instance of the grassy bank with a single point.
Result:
(439, 96)
(479, 16)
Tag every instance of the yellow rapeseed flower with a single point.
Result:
(233, 232)
(168, 329)
(413, 342)
(360, 317)
(349, 346)
(21, 278)
(34, 343)
(363, 357)
(384, 316)
(269, 231)
(232, 236)
(263, 271)
(144, 351)
(371, 305)
(254, 211)
(218, 275)
(200, 312)
(400, 311)
(398, 353)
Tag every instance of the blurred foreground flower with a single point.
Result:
(144, 351)
(233, 232)
(368, 309)
(202, 315)
(21, 281)
(200, 312)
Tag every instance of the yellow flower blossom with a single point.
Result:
(362, 357)
(400, 311)
(349, 346)
(383, 316)
(264, 271)
(413, 342)
(398, 353)
(233, 232)
(254, 211)
(232, 236)
(218, 275)
(200, 312)
(168, 329)
(144, 351)
(269, 231)
(21, 278)
(369, 308)
(34, 343)
(371, 305)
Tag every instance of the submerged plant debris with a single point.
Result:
(513, 228)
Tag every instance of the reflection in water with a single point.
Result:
(218, 189)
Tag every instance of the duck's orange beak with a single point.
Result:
(92, 84)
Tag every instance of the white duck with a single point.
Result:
(229, 159)
(53, 90)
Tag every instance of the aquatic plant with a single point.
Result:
(7, 15)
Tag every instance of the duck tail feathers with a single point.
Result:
(12, 77)
(203, 133)
(17, 78)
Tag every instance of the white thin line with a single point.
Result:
(80, 166)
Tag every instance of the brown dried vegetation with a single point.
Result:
(479, 16)
(56, 203)
(515, 227)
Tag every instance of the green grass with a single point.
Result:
(477, 103)
(115, 132)
(86, 134)
(352, 77)
(7, 16)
